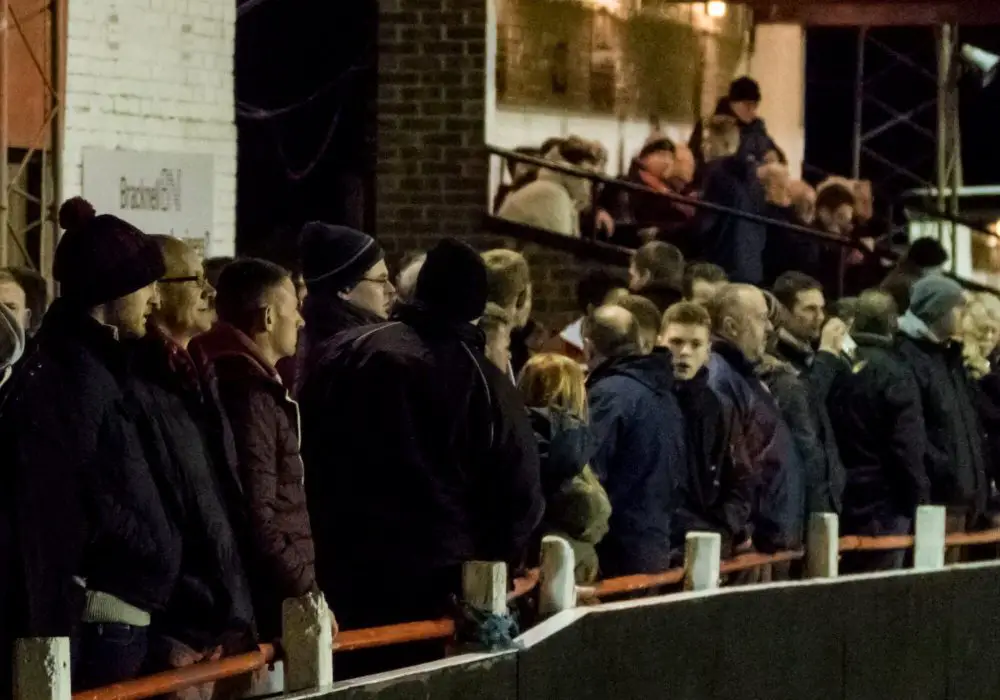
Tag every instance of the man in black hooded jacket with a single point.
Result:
(875, 410)
(418, 453)
(92, 551)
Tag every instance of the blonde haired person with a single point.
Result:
(496, 325)
(576, 506)
(979, 334)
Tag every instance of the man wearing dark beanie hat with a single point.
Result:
(94, 550)
(419, 456)
(348, 286)
(954, 454)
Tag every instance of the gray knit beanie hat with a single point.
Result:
(933, 297)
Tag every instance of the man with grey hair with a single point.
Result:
(639, 430)
(741, 323)
(875, 412)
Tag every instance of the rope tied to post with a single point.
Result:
(487, 630)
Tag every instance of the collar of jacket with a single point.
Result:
(794, 350)
(733, 356)
(63, 322)
(426, 321)
(167, 360)
(326, 315)
(872, 340)
(653, 371)
(771, 366)
(225, 341)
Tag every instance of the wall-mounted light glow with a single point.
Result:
(715, 9)
(612, 6)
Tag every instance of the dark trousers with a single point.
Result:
(106, 653)
(889, 560)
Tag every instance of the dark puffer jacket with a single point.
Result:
(211, 603)
(718, 488)
(325, 317)
(810, 423)
(770, 448)
(419, 457)
(954, 449)
(641, 456)
(875, 411)
(278, 547)
(77, 490)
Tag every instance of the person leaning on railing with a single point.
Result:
(554, 200)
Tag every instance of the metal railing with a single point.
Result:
(611, 253)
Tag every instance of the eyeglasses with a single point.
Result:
(384, 281)
(179, 280)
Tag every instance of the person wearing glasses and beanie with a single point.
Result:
(89, 550)
(210, 611)
(419, 456)
(348, 285)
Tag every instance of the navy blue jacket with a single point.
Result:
(733, 243)
(777, 517)
(640, 456)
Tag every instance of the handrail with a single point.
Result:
(753, 560)
(635, 583)
(680, 199)
(349, 640)
(391, 635)
(180, 678)
(445, 628)
(577, 246)
(859, 543)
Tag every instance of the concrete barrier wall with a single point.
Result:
(933, 636)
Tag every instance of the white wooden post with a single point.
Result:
(557, 579)
(928, 542)
(307, 639)
(484, 586)
(822, 546)
(702, 555)
(41, 669)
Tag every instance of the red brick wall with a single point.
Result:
(432, 176)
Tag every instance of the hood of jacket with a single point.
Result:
(228, 344)
(914, 328)
(565, 445)
(653, 371)
(872, 340)
(435, 326)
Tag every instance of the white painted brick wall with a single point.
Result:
(154, 75)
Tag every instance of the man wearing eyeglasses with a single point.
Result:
(348, 286)
(210, 611)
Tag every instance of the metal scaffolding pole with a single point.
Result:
(42, 153)
(5, 233)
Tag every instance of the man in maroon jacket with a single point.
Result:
(259, 324)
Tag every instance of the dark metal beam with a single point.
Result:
(887, 13)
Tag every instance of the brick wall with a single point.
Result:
(154, 75)
(432, 177)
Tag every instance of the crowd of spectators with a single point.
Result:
(186, 444)
(731, 162)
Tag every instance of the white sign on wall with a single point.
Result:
(166, 193)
